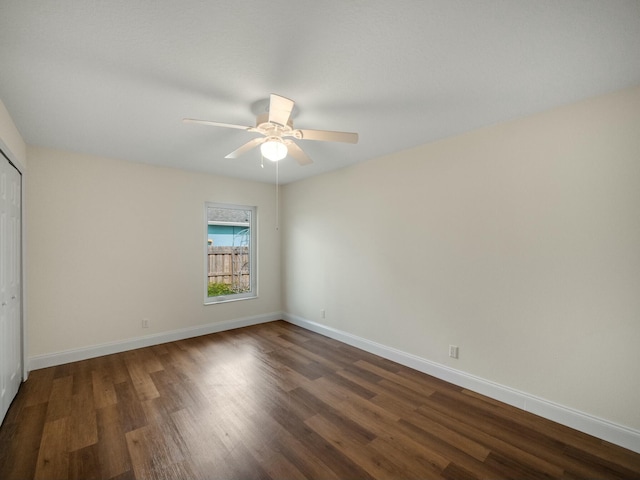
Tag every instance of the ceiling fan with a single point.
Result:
(276, 125)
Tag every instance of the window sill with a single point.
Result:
(223, 299)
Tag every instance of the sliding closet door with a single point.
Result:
(10, 284)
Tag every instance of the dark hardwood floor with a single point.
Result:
(277, 401)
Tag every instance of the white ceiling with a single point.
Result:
(116, 78)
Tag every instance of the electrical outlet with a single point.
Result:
(322, 313)
(145, 323)
(453, 351)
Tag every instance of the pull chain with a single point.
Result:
(277, 198)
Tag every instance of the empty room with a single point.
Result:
(320, 239)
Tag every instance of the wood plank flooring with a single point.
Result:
(275, 401)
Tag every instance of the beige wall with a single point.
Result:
(11, 141)
(520, 243)
(112, 242)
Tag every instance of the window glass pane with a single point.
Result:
(230, 252)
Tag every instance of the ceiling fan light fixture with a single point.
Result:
(274, 149)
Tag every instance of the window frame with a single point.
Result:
(253, 254)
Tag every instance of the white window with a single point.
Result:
(230, 253)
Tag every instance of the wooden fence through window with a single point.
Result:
(229, 265)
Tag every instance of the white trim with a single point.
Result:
(66, 356)
(23, 272)
(230, 224)
(618, 434)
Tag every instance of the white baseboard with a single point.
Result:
(620, 435)
(59, 358)
(617, 434)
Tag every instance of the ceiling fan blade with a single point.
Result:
(328, 136)
(215, 124)
(296, 152)
(246, 147)
(280, 109)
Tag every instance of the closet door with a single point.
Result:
(10, 284)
